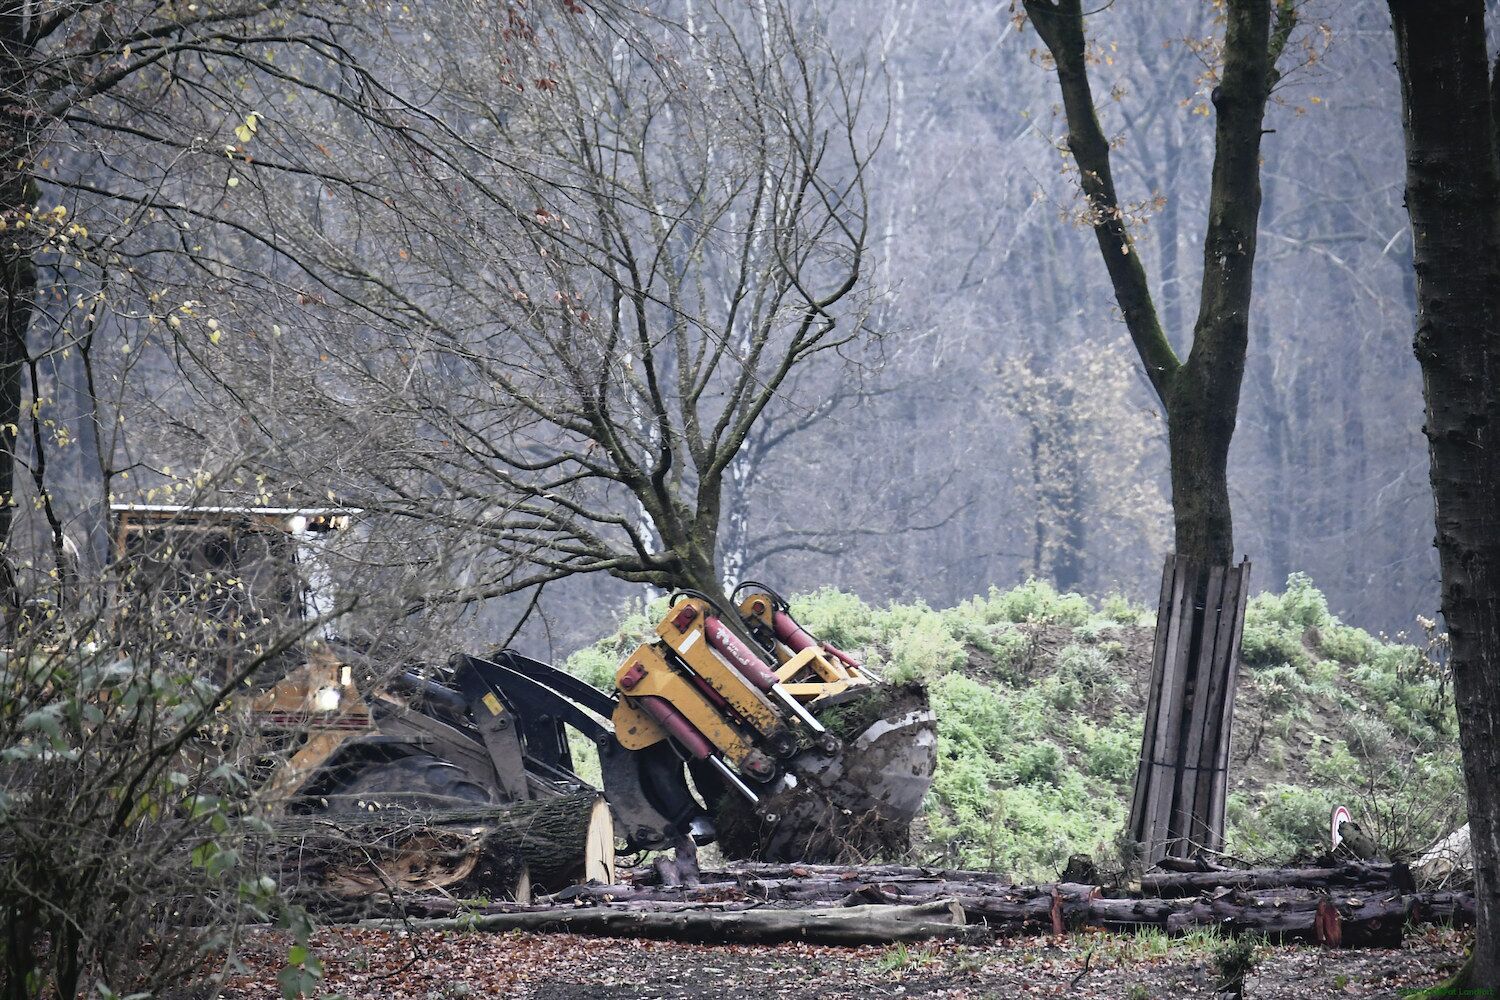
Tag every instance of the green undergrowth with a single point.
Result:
(1039, 698)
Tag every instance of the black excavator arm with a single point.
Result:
(522, 709)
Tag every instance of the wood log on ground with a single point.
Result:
(852, 925)
(1347, 920)
(801, 872)
(1455, 908)
(1197, 863)
(826, 883)
(504, 850)
(1368, 875)
(1450, 859)
(1351, 915)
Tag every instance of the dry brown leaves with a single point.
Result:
(457, 965)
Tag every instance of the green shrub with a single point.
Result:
(924, 648)
(1029, 831)
(1300, 606)
(1347, 644)
(1098, 678)
(1002, 641)
(1036, 601)
(1335, 764)
(1039, 763)
(1115, 652)
(894, 619)
(1279, 823)
(1269, 644)
(1111, 752)
(1324, 676)
(837, 617)
(984, 717)
(1008, 645)
(1370, 738)
(1123, 611)
(1394, 661)
(595, 665)
(1232, 960)
(1375, 683)
(1064, 694)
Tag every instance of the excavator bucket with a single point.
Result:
(855, 804)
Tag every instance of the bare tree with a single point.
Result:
(620, 252)
(135, 157)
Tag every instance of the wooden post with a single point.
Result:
(1181, 782)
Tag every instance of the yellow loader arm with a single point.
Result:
(738, 707)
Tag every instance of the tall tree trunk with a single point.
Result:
(1200, 394)
(17, 270)
(1453, 196)
(1278, 483)
(1199, 429)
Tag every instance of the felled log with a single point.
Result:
(765, 871)
(1456, 908)
(1450, 858)
(1367, 875)
(820, 878)
(851, 925)
(822, 883)
(565, 840)
(1344, 920)
(505, 850)
(1337, 906)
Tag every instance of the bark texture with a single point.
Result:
(853, 925)
(1453, 196)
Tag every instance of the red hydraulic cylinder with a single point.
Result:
(839, 654)
(790, 633)
(795, 638)
(737, 653)
(677, 724)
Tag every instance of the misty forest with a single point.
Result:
(572, 498)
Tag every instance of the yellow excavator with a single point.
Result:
(730, 724)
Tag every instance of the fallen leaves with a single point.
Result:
(453, 965)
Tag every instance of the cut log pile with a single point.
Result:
(1347, 905)
(503, 851)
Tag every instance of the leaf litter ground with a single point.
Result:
(457, 965)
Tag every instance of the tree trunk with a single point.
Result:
(1198, 442)
(1453, 196)
(17, 273)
